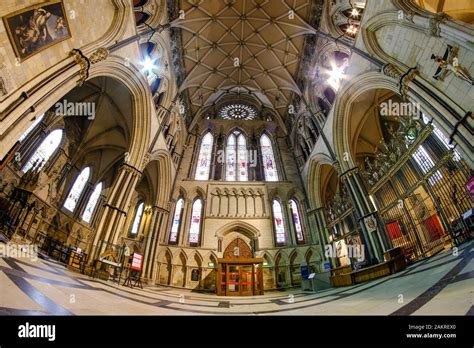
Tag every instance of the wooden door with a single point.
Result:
(246, 280)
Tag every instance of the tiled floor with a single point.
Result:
(440, 285)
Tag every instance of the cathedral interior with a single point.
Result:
(196, 152)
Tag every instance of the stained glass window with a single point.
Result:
(45, 150)
(279, 224)
(138, 218)
(426, 163)
(205, 157)
(195, 228)
(30, 128)
(236, 157)
(76, 190)
(176, 221)
(242, 158)
(268, 158)
(238, 112)
(94, 198)
(231, 158)
(296, 221)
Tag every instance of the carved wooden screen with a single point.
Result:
(238, 249)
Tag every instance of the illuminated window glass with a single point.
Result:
(238, 112)
(205, 157)
(94, 198)
(426, 163)
(138, 219)
(242, 158)
(444, 139)
(236, 157)
(30, 128)
(76, 190)
(176, 221)
(296, 221)
(278, 221)
(195, 228)
(45, 150)
(231, 158)
(268, 158)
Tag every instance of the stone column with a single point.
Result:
(322, 233)
(152, 242)
(115, 210)
(375, 241)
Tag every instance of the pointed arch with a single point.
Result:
(138, 218)
(47, 147)
(278, 223)
(297, 222)
(77, 189)
(92, 203)
(268, 158)
(177, 218)
(195, 227)
(205, 157)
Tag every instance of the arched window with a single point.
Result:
(269, 165)
(425, 162)
(443, 138)
(296, 221)
(138, 218)
(45, 150)
(30, 128)
(279, 223)
(236, 161)
(176, 221)
(242, 156)
(195, 228)
(91, 204)
(231, 159)
(205, 157)
(76, 190)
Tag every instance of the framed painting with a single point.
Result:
(36, 28)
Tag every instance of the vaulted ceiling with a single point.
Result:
(242, 46)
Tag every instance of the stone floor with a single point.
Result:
(440, 285)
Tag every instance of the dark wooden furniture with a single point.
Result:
(394, 262)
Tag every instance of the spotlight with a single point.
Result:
(351, 29)
(336, 75)
(149, 65)
(355, 13)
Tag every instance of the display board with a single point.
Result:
(137, 262)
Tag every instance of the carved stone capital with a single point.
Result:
(405, 81)
(99, 55)
(84, 64)
(391, 71)
(435, 21)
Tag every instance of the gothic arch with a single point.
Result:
(313, 179)
(343, 107)
(243, 227)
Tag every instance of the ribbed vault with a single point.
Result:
(244, 46)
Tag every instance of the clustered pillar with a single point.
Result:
(115, 210)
